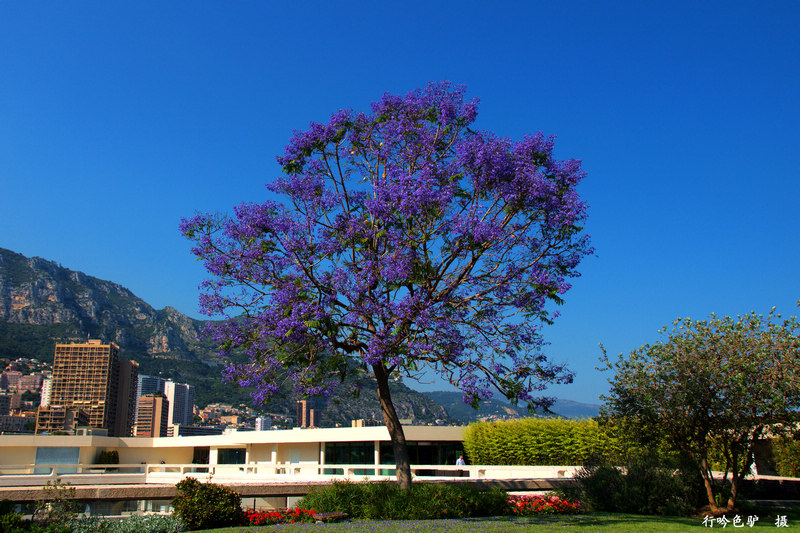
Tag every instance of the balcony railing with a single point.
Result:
(170, 474)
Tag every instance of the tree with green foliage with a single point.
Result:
(59, 504)
(716, 384)
(207, 505)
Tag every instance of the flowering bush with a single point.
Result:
(533, 505)
(266, 518)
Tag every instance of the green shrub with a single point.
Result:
(134, 524)
(207, 505)
(645, 485)
(385, 500)
(13, 523)
(786, 452)
(541, 441)
(10, 521)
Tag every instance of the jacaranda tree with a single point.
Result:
(406, 243)
(712, 389)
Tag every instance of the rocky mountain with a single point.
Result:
(69, 304)
(500, 409)
(42, 303)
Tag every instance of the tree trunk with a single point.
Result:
(709, 484)
(735, 482)
(712, 503)
(403, 466)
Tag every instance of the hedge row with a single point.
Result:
(540, 441)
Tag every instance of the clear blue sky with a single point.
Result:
(117, 119)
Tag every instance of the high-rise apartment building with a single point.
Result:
(179, 395)
(148, 385)
(151, 418)
(60, 419)
(181, 400)
(90, 377)
(126, 398)
(263, 423)
(47, 388)
(306, 414)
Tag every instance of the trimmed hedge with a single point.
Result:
(541, 441)
(133, 524)
(385, 500)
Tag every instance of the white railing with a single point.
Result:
(127, 474)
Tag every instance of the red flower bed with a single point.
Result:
(533, 505)
(265, 518)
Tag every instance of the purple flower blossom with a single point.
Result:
(405, 241)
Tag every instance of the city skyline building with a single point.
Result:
(47, 389)
(51, 419)
(90, 377)
(148, 385)
(179, 395)
(181, 401)
(263, 423)
(306, 414)
(152, 416)
(126, 403)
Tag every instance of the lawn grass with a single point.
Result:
(589, 522)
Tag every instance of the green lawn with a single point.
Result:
(591, 522)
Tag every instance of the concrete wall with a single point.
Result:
(156, 455)
(17, 455)
(303, 452)
(260, 453)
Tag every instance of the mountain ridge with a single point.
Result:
(42, 303)
(493, 408)
(36, 291)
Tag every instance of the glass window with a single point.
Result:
(231, 456)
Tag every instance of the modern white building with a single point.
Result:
(263, 423)
(181, 400)
(179, 395)
(305, 449)
(47, 387)
(270, 468)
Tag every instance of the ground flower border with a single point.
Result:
(266, 518)
(520, 506)
(539, 505)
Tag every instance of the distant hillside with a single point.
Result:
(458, 410)
(65, 304)
(42, 303)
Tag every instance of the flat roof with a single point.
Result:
(238, 438)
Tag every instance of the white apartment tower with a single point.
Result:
(47, 387)
(181, 400)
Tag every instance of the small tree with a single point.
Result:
(408, 242)
(207, 505)
(717, 384)
(59, 504)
